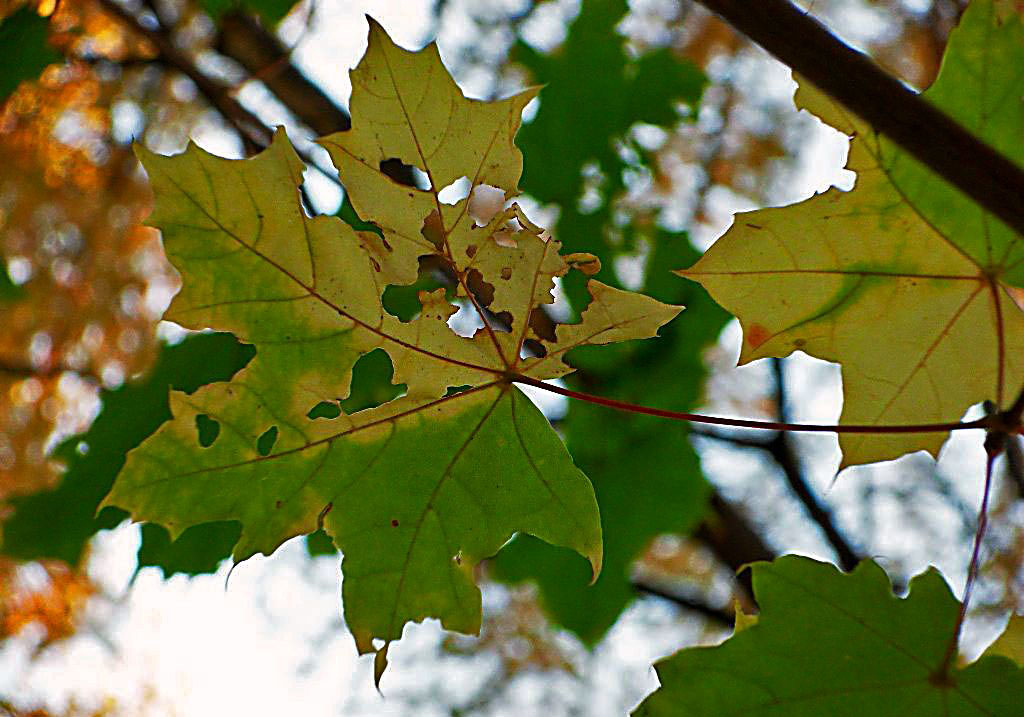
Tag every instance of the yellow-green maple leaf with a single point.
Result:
(418, 490)
(903, 280)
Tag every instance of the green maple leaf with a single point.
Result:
(415, 491)
(826, 643)
(646, 475)
(903, 280)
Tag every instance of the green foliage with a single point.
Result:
(57, 523)
(594, 93)
(355, 416)
(271, 11)
(23, 37)
(826, 643)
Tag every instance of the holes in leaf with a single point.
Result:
(456, 191)
(466, 321)
(486, 203)
(371, 382)
(208, 429)
(403, 302)
(404, 173)
(265, 443)
(324, 409)
(483, 291)
(347, 213)
(320, 543)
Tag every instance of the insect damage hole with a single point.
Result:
(265, 443)
(207, 430)
(455, 192)
(405, 174)
(485, 203)
(324, 409)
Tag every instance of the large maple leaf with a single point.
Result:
(903, 280)
(418, 490)
(826, 643)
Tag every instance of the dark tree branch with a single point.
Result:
(721, 616)
(733, 540)
(781, 449)
(254, 133)
(850, 77)
(263, 56)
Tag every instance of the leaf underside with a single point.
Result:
(415, 491)
(826, 643)
(648, 482)
(904, 281)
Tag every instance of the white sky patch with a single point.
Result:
(550, 404)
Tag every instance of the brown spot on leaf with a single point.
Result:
(278, 504)
(433, 230)
(394, 522)
(471, 251)
(757, 335)
(506, 273)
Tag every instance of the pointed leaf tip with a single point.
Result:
(380, 664)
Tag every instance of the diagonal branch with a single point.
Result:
(254, 133)
(264, 57)
(718, 615)
(781, 449)
(852, 78)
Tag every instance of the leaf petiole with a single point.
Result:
(985, 422)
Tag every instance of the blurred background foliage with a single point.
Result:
(657, 122)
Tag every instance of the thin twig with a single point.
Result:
(942, 674)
